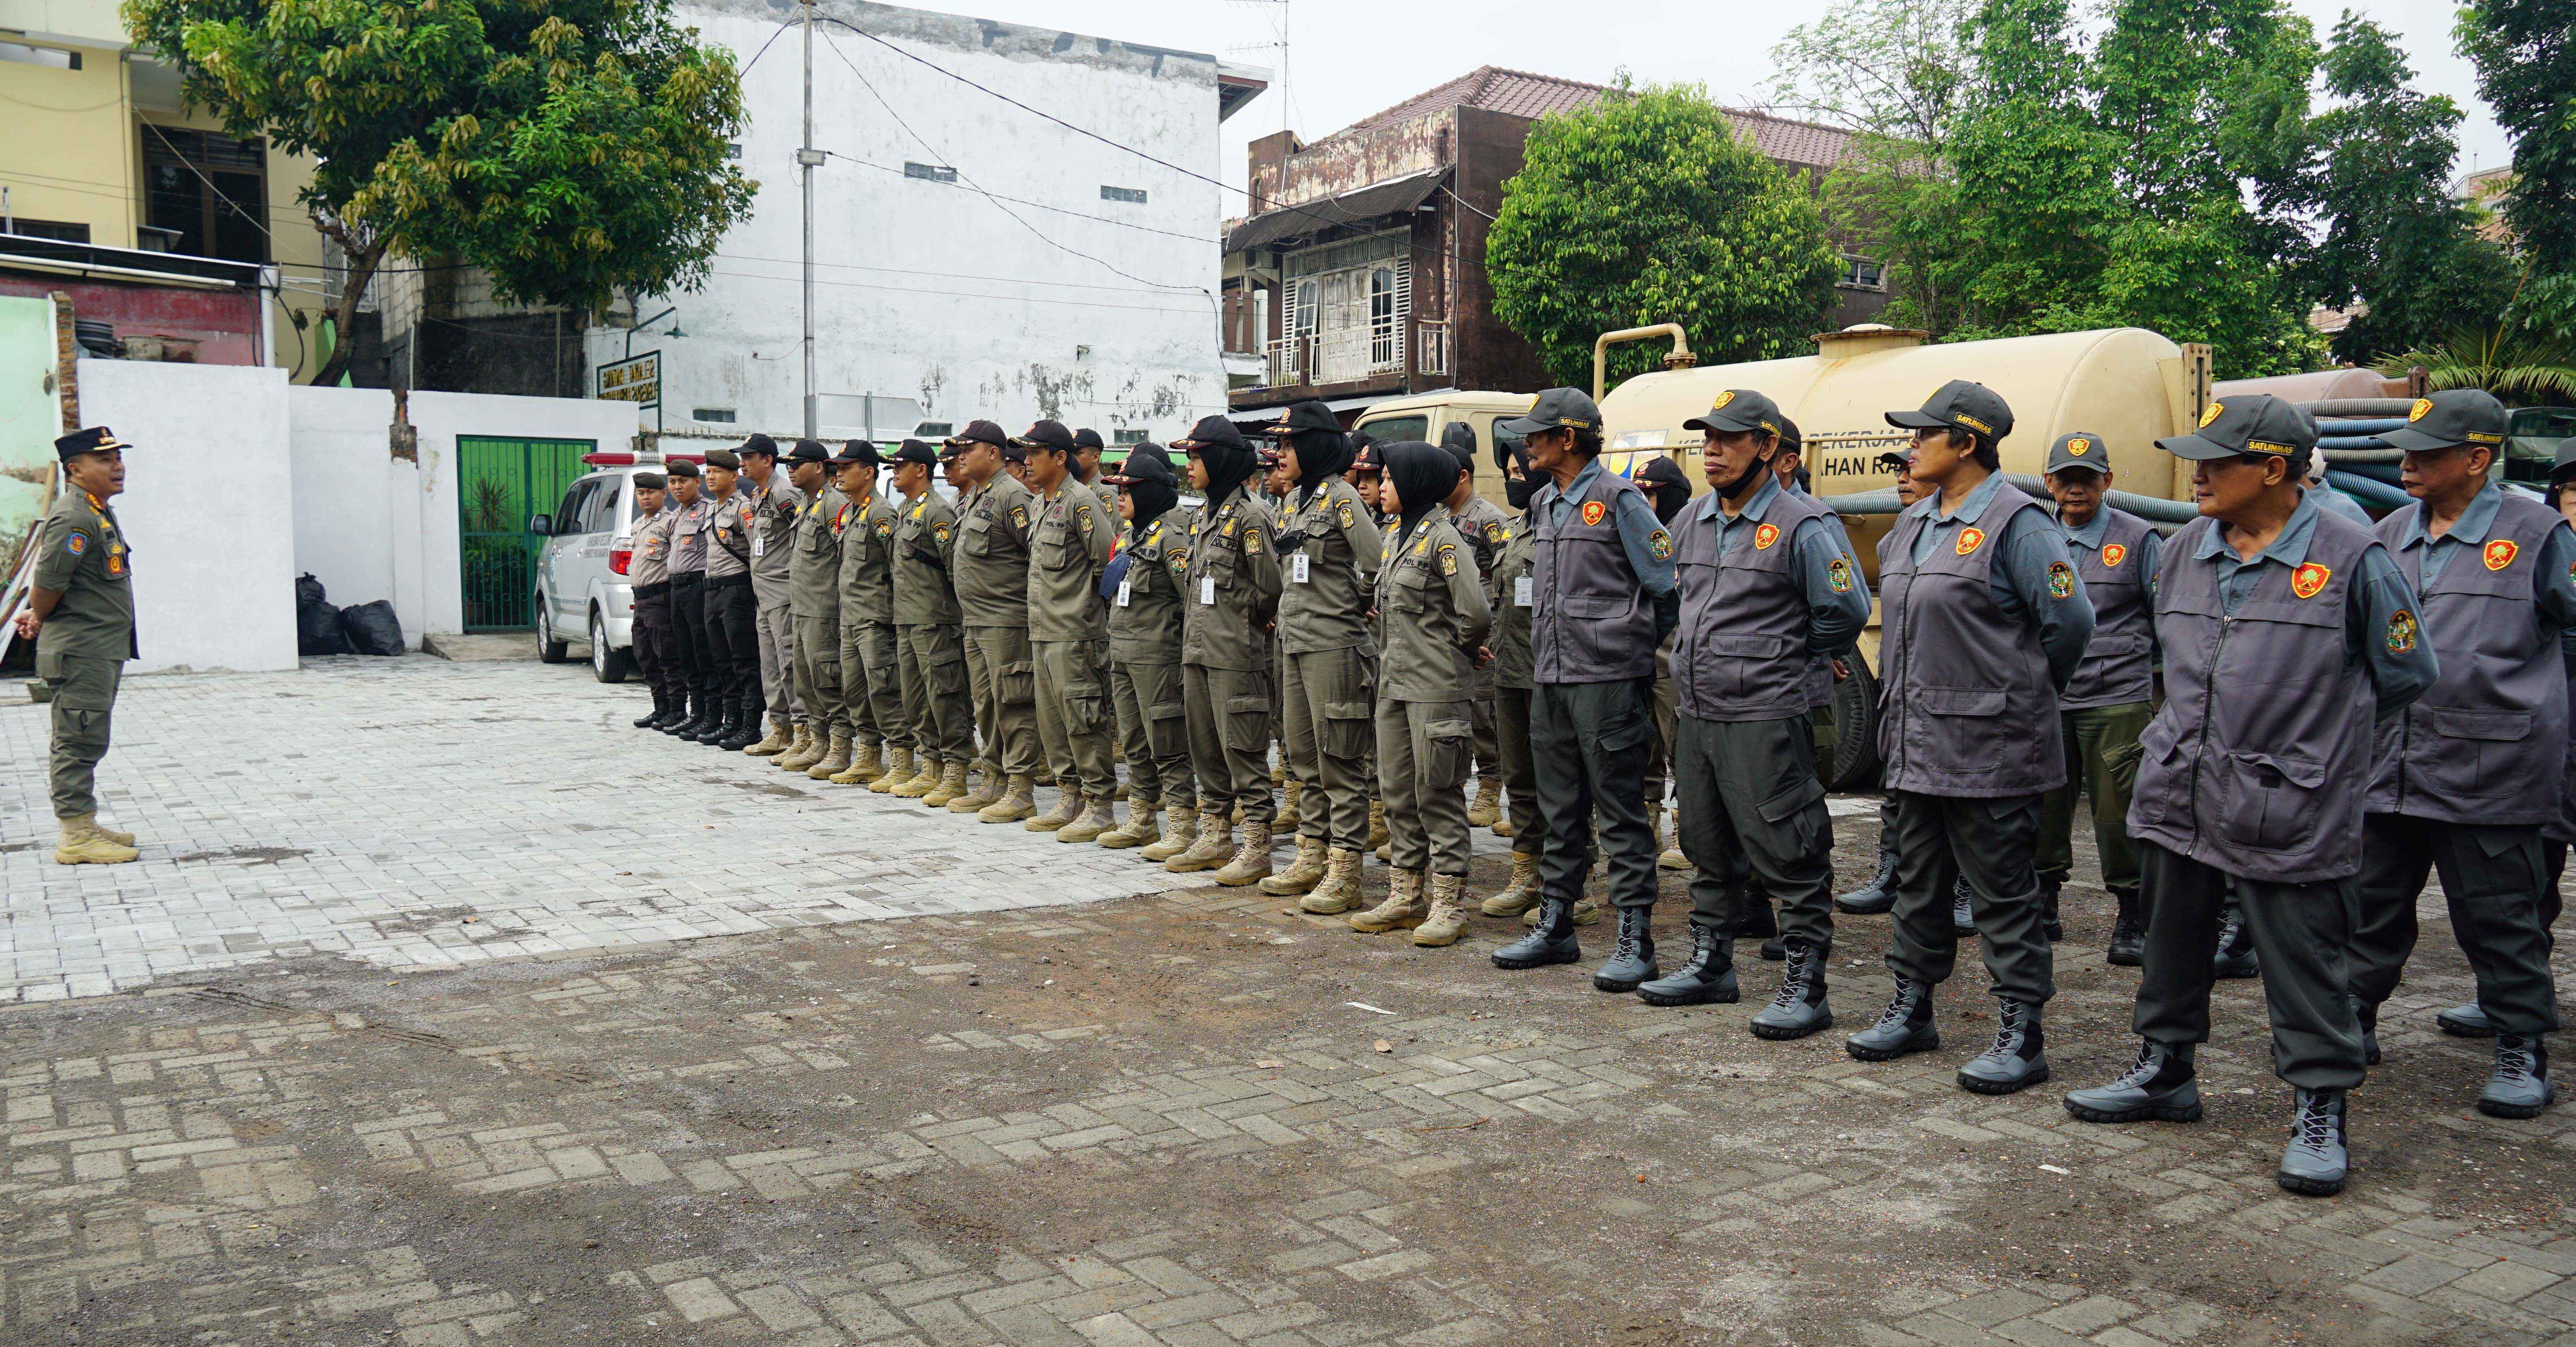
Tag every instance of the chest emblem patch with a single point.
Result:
(76, 543)
(2402, 629)
(1594, 512)
(115, 564)
(1970, 540)
(2308, 580)
(1764, 535)
(2500, 553)
(2114, 553)
(2061, 580)
(1839, 575)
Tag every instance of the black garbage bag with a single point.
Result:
(372, 628)
(317, 623)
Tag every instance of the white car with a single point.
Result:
(582, 590)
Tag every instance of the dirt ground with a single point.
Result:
(1199, 1119)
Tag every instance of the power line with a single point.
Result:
(1023, 201)
(951, 275)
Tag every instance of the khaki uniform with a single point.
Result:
(1432, 611)
(930, 648)
(1233, 576)
(1328, 663)
(814, 600)
(1069, 636)
(82, 648)
(771, 514)
(989, 564)
(872, 684)
(1510, 593)
(1486, 531)
(1145, 666)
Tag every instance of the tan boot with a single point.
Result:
(834, 763)
(1140, 829)
(1671, 858)
(1585, 913)
(1340, 889)
(898, 769)
(1377, 827)
(1448, 919)
(1251, 860)
(123, 839)
(803, 751)
(1521, 894)
(868, 764)
(1503, 824)
(83, 844)
(1019, 800)
(988, 791)
(1403, 906)
(781, 735)
(1212, 846)
(1179, 836)
(938, 783)
(1095, 819)
(1293, 792)
(1067, 808)
(1303, 873)
(1488, 804)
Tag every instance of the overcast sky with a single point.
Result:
(1350, 58)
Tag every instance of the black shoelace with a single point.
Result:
(1793, 980)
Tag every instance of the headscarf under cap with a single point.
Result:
(1424, 475)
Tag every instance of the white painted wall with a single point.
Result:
(428, 542)
(209, 507)
(928, 290)
(343, 507)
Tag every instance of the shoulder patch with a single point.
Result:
(2061, 580)
(1594, 511)
(1660, 544)
(1082, 517)
(2402, 629)
(1180, 559)
(1448, 559)
(1970, 540)
(1764, 535)
(1497, 532)
(76, 543)
(940, 531)
(885, 528)
(1838, 575)
(1342, 510)
(2500, 553)
(1019, 517)
(1252, 542)
(2309, 580)
(2114, 553)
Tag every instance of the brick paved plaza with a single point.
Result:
(443, 1009)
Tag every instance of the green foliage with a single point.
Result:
(2516, 365)
(1648, 207)
(569, 147)
(2525, 54)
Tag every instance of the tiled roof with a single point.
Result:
(1522, 94)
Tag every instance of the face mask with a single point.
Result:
(1518, 491)
(1753, 472)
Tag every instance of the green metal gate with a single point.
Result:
(500, 482)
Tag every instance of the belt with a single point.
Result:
(742, 581)
(652, 591)
(688, 579)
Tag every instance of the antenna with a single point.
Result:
(1280, 46)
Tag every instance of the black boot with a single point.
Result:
(675, 709)
(2160, 1084)
(2019, 1057)
(1904, 1027)
(653, 718)
(1708, 979)
(2128, 931)
(1756, 921)
(1632, 960)
(1800, 1008)
(685, 715)
(1552, 943)
(1963, 910)
(2049, 925)
(2236, 957)
(710, 720)
(746, 731)
(1872, 898)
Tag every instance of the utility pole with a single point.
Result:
(807, 157)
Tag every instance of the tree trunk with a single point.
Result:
(344, 309)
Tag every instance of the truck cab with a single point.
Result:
(1428, 416)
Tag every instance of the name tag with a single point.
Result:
(1126, 588)
(759, 545)
(1297, 568)
(1207, 590)
(1521, 592)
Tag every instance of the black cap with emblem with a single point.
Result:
(2458, 416)
(1087, 438)
(865, 454)
(1960, 404)
(2083, 449)
(2257, 423)
(1214, 430)
(93, 440)
(916, 451)
(809, 451)
(977, 432)
(1145, 463)
(1738, 409)
(1558, 409)
(1791, 439)
(1307, 415)
(757, 444)
(1049, 435)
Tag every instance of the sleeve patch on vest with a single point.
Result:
(1839, 575)
(2061, 580)
(1660, 544)
(2401, 632)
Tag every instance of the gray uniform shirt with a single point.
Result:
(2378, 594)
(989, 563)
(1431, 605)
(813, 550)
(651, 539)
(1145, 615)
(866, 578)
(923, 532)
(689, 536)
(1233, 571)
(2115, 556)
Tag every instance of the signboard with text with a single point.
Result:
(634, 379)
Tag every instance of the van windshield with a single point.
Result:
(1394, 428)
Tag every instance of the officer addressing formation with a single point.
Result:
(2284, 720)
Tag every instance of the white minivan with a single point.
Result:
(582, 590)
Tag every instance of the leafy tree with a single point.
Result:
(568, 147)
(2516, 365)
(1649, 207)
(2525, 54)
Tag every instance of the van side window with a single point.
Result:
(568, 515)
(600, 516)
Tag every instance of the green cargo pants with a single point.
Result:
(932, 657)
(1423, 752)
(871, 685)
(2101, 756)
(84, 698)
(814, 667)
(1154, 732)
(1072, 713)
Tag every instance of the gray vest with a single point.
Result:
(2257, 761)
(2119, 662)
(1590, 619)
(1968, 708)
(2488, 741)
(1741, 650)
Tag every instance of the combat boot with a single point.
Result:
(2367, 1015)
(2049, 925)
(1448, 919)
(1067, 808)
(1212, 845)
(1521, 894)
(2236, 957)
(1963, 910)
(950, 787)
(2520, 1087)
(1670, 857)
(2315, 1162)
(2128, 932)
(1018, 801)
(1707, 980)
(746, 729)
(1138, 830)
(693, 716)
(782, 736)
(987, 791)
(1585, 913)
(2160, 1084)
(1874, 897)
(1487, 808)
(1180, 833)
(84, 844)
(711, 719)
(1632, 957)
(1251, 860)
(653, 719)
(1095, 819)
(2466, 1021)
(1339, 890)
(922, 784)
(1799, 1008)
(1904, 1027)
(1377, 828)
(836, 762)
(2018, 1058)
(867, 765)
(123, 839)
(1291, 797)
(804, 751)
(1404, 905)
(1303, 873)
(1552, 943)
(897, 769)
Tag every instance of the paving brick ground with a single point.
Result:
(1071, 1106)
